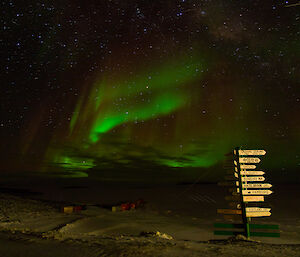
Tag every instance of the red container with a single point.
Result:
(125, 206)
(77, 208)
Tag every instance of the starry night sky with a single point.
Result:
(126, 89)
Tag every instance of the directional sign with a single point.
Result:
(249, 160)
(259, 178)
(247, 188)
(262, 185)
(249, 209)
(252, 198)
(229, 211)
(251, 172)
(247, 172)
(252, 152)
(258, 214)
(250, 167)
(256, 192)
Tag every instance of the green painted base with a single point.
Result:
(234, 233)
(252, 226)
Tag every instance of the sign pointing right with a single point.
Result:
(258, 178)
(252, 152)
(251, 172)
(249, 209)
(256, 192)
(244, 167)
(258, 213)
(256, 185)
(249, 160)
(253, 198)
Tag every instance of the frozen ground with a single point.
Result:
(32, 224)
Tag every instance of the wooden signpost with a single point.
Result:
(252, 172)
(249, 160)
(260, 178)
(254, 185)
(245, 186)
(256, 192)
(252, 198)
(247, 167)
(249, 209)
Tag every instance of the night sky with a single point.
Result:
(125, 89)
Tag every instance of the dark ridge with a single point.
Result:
(75, 187)
(18, 192)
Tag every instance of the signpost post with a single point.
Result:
(243, 206)
(245, 186)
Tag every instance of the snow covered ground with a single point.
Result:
(184, 213)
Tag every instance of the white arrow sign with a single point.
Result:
(250, 198)
(252, 152)
(257, 192)
(259, 178)
(250, 209)
(264, 185)
(251, 172)
(250, 167)
(249, 160)
(258, 214)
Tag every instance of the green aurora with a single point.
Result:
(113, 122)
(151, 95)
(164, 84)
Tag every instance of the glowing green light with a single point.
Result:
(161, 105)
(76, 163)
(149, 95)
(192, 161)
